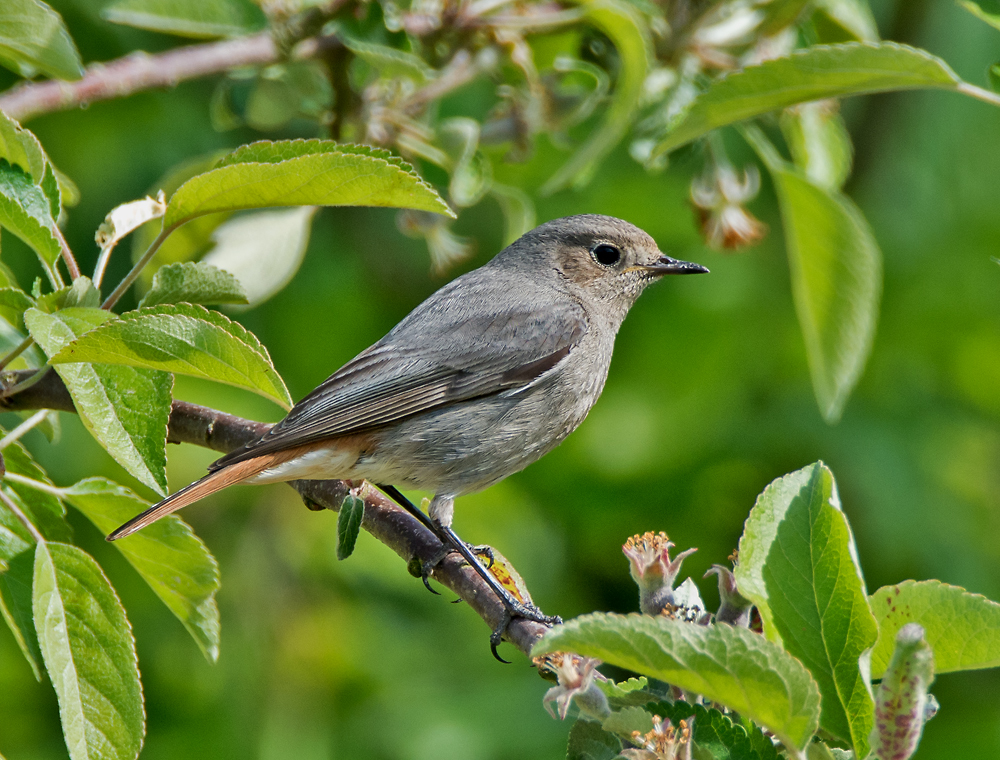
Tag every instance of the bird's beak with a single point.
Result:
(667, 265)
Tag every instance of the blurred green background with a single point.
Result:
(708, 400)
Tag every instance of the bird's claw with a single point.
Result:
(518, 610)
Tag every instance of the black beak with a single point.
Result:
(667, 265)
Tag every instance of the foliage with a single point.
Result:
(376, 77)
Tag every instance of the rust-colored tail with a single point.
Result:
(209, 484)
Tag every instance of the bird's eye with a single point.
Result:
(607, 255)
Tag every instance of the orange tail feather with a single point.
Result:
(209, 484)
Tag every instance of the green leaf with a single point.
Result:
(845, 20)
(167, 554)
(963, 629)
(901, 699)
(587, 741)
(181, 338)
(993, 19)
(836, 269)
(818, 72)
(819, 142)
(623, 722)
(44, 510)
(263, 249)
(125, 409)
(21, 148)
(993, 77)
(87, 645)
(352, 512)
(25, 211)
(629, 34)
(733, 666)
(716, 735)
(15, 607)
(34, 38)
(302, 173)
(200, 19)
(390, 62)
(13, 303)
(193, 283)
(798, 565)
(626, 693)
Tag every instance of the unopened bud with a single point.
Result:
(734, 608)
(901, 700)
(576, 685)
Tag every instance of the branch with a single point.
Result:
(141, 71)
(397, 529)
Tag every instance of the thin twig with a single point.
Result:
(30, 526)
(19, 349)
(36, 484)
(33, 421)
(133, 275)
(137, 72)
(67, 254)
(191, 423)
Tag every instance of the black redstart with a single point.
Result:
(484, 377)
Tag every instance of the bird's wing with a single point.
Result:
(455, 347)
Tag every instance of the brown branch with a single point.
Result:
(141, 71)
(397, 529)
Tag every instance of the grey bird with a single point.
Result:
(486, 376)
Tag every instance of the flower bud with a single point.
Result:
(576, 684)
(664, 742)
(734, 608)
(718, 198)
(901, 701)
(653, 570)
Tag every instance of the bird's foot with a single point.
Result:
(525, 611)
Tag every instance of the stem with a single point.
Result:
(979, 93)
(35, 533)
(38, 485)
(102, 264)
(133, 275)
(30, 380)
(33, 421)
(21, 347)
(67, 254)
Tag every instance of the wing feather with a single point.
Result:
(454, 347)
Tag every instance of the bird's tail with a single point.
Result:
(214, 481)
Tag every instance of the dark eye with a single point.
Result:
(607, 255)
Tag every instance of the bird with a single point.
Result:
(487, 375)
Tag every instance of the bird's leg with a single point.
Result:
(439, 522)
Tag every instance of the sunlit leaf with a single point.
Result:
(302, 173)
(181, 338)
(20, 147)
(818, 72)
(263, 249)
(797, 564)
(34, 38)
(193, 283)
(836, 269)
(963, 629)
(89, 654)
(13, 303)
(170, 558)
(201, 19)
(25, 211)
(630, 36)
(732, 666)
(123, 220)
(124, 408)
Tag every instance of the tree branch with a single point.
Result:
(141, 71)
(397, 529)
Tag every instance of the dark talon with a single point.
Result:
(497, 635)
